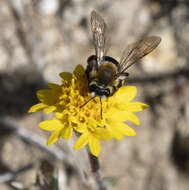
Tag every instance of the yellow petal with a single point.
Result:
(67, 132)
(48, 97)
(103, 134)
(79, 71)
(132, 117)
(123, 116)
(66, 76)
(42, 94)
(126, 130)
(82, 141)
(119, 129)
(53, 138)
(54, 86)
(49, 109)
(115, 133)
(59, 115)
(80, 127)
(117, 115)
(125, 94)
(94, 146)
(37, 107)
(51, 125)
(136, 106)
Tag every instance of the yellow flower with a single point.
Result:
(66, 102)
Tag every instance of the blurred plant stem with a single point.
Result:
(79, 163)
(95, 166)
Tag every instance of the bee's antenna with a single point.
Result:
(100, 107)
(88, 101)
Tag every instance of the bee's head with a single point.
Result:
(98, 89)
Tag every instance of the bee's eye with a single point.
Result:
(92, 88)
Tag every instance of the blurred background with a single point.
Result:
(41, 38)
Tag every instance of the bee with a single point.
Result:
(105, 74)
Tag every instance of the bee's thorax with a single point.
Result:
(102, 78)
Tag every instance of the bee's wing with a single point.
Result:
(136, 51)
(100, 38)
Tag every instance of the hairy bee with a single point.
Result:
(105, 74)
